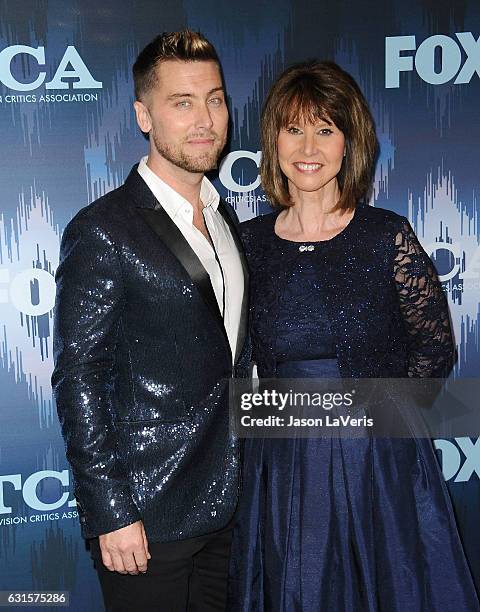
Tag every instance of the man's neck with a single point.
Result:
(185, 183)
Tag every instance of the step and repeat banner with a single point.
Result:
(68, 135)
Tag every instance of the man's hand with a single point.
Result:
(125, 550)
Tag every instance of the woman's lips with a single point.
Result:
(307, 167)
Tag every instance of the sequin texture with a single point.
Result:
(141, 378)
(381, 298)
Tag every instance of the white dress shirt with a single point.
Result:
(226, 278)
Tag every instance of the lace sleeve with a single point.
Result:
(424, 308)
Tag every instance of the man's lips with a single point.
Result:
(201, 141)
(307, 167)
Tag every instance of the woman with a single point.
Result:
(340, 289)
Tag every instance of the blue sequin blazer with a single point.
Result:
(387, 311)
(142, 363)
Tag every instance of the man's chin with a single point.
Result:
(200, 165)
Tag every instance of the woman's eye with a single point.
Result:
(325, 131)
(293, 130)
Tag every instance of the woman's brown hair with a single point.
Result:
(315, 91)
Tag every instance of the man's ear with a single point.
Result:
(143, 116)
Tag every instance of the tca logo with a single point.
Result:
(29, 490)
(225, 173)
(437, 60)
(71, 66)
(472, 266)
(31, 291)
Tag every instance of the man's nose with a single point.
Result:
(204, 117)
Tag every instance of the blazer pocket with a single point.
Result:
(157, 401)
(155, 422)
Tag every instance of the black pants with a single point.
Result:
(184, 576)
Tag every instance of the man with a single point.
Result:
(150, 323)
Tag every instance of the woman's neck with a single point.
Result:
(313, 215)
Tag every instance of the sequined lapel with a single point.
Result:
(140, 196)
(173, 239)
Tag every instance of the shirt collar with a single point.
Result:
(173, 203)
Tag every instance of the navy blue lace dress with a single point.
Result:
(337, 525)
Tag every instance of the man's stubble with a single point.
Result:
(177, 156)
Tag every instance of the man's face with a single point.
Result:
(185, 115)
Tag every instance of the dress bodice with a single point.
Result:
(301, 320)
(370, 296)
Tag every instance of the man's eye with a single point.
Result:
(216, 101)
(183, 103)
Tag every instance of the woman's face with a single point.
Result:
(311, 155)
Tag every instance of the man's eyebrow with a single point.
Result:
(216, 89)
(175, 96)
(179, 95)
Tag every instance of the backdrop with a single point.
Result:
(68, 136)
